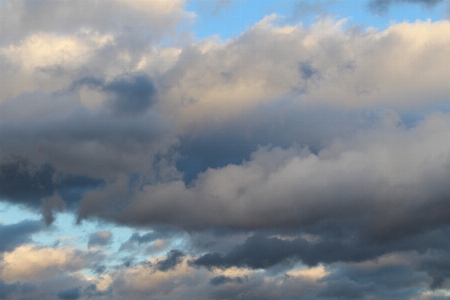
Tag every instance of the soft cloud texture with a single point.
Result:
(291, 161)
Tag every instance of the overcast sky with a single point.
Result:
(225, 149)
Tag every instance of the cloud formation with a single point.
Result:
(290, 161)
(99, 238)
(365, 173)
(17, 234)
(381, 6)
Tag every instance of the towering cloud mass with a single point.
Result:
(290, 161)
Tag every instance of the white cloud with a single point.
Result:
(28, 263)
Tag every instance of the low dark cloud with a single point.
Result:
(84, 142)
(92, 291)
(262, 252)
(345, 288)
(149, 237)
(98, 269)
(132, 94)
(437, 266)
(100, 238)
(70, 294)
(40, 186)
(24, 182)
(174, 257)
(8, 289)
(277, 123)
(382, 6)
(14, 235)
(222, 279)
(307, 71)
(393, 272)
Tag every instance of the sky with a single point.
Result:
(225, 149)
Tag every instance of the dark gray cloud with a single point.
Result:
(437, 265)
(382, 6)
(91, 291)
(51, 205)
(222, 279)
(7, 290)
(262, 252)
(391, 273)
(24, 182)
(14, 235)
(70, 294)
(100, 238)
(40, 186)
(277, 124)
(89, 81)
(84, 142)
(174, 257)
(307, 71)
(345, 288)
(132, 94)
(149, 237)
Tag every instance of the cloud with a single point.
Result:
(304, 7)
(262, 68)
(259, 252)
(307, 71)
(174, 257)
(149, 237)
(76, 142)
(132, 96)
(6, 290)
(365, 173)
(23, 182)
(159, 17)
(49, 206)
(70, 294)
(314, 164)
(222, 279)
(381, 6)
(62, 286)
(100, 238)
(30, 262)
(345, 289)
(437, 265)
(17, 234)
(220, 5)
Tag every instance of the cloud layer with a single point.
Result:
(288, 162)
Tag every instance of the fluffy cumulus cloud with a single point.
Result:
(290, 161)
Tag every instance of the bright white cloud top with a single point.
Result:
(225, 149)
